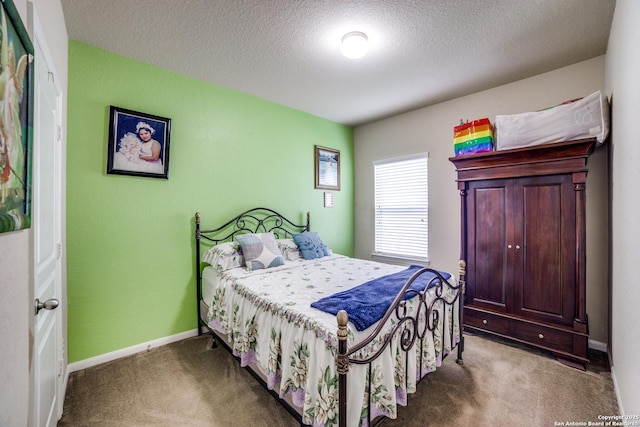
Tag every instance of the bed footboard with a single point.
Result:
(409, 329)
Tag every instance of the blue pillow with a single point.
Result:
(311, 245)
(260, 251)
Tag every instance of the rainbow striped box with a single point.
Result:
(473, 137)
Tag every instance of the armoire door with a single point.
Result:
(544, 248)
(488, 232)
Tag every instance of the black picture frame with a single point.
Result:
(16, 124)
(129, 150)
(327, 168)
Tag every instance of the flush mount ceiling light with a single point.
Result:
(354, 44)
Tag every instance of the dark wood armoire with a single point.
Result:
(523, 238)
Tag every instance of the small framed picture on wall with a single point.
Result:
(138, 144)
(327, 166)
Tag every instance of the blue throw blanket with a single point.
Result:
(367, 303)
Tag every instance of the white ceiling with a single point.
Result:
(288, 51)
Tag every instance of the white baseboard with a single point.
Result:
(138, 348)
(617, 390)
(598, 345)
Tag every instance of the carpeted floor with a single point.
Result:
(189, 384)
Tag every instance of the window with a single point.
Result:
(401, 208)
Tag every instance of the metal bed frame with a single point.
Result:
(408, 329)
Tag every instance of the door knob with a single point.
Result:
(49, 304)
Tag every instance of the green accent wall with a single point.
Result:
(130, 240)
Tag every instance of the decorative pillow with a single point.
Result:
(289, 249)
(260, 251)
(311, 245)
(224, 256)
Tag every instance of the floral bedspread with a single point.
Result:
(267, 317)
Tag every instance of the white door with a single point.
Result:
(48, 360)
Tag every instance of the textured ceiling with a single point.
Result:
(287, 51)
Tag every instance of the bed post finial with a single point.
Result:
(197, 217)
(308, 221)
(343, 319)
(462, 274)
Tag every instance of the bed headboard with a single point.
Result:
(256, 220)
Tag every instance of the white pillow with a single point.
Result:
(289, 249)
(224, 256)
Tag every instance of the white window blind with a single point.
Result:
(401, 207)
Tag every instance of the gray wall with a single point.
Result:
(623, 83)
(431, 129)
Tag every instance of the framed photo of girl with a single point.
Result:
(138, 144)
